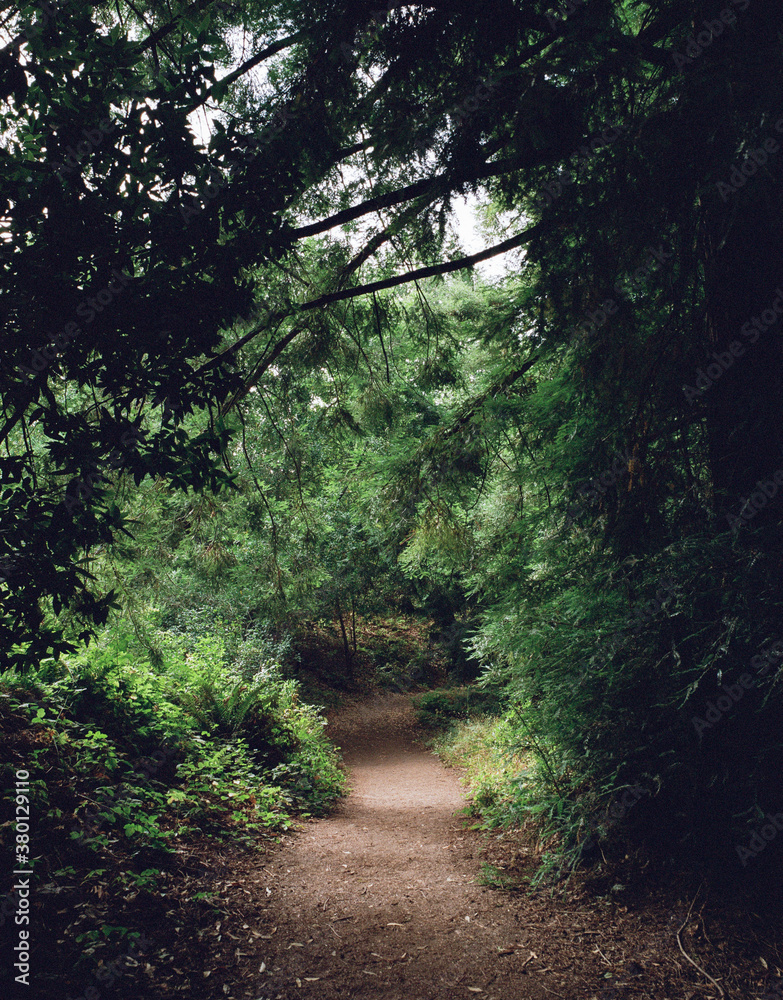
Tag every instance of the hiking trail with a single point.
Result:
(380, 898)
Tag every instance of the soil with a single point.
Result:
(383, 899)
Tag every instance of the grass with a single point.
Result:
(483, 747)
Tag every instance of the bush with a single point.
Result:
(135, 749)
(439, 708)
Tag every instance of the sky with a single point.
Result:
(473, 241)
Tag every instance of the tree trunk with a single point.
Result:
(346, 644)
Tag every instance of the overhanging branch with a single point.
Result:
(423, 272)
(249, 64)
(374, 286)
(441, 183)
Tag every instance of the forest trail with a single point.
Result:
(380, 899)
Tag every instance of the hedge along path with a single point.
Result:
(380, 899)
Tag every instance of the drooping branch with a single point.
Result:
(377, 241)
(261, 367)
(470, 410)
(423, 272)
(249, 64)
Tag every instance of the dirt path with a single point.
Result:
(380, 899)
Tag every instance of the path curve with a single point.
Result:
(380, 899)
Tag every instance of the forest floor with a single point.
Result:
(383, 899)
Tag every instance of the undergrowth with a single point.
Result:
(133, 755)
(484, 747)
(439, 708)
(506, 779)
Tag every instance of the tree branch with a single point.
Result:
(156, 36)
(423, 272)
(350, 293)
(427, 185)
(249, 64)
(377, 241)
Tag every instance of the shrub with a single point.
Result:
(439, 708)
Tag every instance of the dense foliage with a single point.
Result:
(575, 470)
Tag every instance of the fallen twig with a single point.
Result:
(688, 957)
